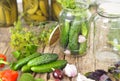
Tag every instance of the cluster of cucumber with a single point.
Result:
(70, 31)
(41, 63)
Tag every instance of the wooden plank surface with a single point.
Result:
(84, 64)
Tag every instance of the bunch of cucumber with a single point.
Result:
(38, 62)
(69, 34)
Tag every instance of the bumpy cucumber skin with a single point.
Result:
(45, 58)
(84, 32)
(83, 48)
(24, 61)
(73, 36)
(26, 68)
(59, 64)
(64, 33)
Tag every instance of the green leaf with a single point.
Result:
(16, 54)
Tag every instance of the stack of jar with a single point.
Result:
(8, 12)
(34, 11)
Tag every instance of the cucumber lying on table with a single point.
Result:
(59, 64)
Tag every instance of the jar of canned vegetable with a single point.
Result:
(35, 11)
(74, 29)
(56, 8)
(8, 12)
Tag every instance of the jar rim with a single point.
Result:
(79, 5)
(109, 9)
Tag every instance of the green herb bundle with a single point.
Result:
(25, 40)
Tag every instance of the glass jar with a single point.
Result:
(35, 11)
(74, 29)
(8, 12)
(56, 8)
(107, 32)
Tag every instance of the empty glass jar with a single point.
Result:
(8, 12)
(74, 29)
(107, 32)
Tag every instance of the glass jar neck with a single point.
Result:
(110, 10)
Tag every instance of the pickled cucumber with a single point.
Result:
(73, 36)
(64, 33)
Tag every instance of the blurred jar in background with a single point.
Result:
(107, 33)
(104, 1)
(8, 12)
(35, 11)
(56, 9)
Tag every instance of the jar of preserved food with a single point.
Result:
(56, 8)
(35, 11)
(8, 12)
(107, 32)
(74, 29)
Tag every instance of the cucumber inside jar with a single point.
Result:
(73, 37)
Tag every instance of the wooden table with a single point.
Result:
(84, 64)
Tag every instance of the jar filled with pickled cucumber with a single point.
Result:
(56, 8)
(74, 29)
(8, 12)
(35, 11)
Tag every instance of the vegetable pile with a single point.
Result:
(39, 62)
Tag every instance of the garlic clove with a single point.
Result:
(70, 70)
(81, 39)
(67, 52)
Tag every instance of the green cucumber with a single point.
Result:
(45, 58)
(73, 36)
(83, 48)
(59, 64)
(84, 29)
(26, 68)
(24, 61)
(84, 32)
(26, 77)
(64, 33)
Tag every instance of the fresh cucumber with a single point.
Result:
(59, 64)
(84, 32)
(83, 48)
(45, 58)
(24, 61)
(64, 33)
(26, 68)
(84, 29)
(73, 36)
